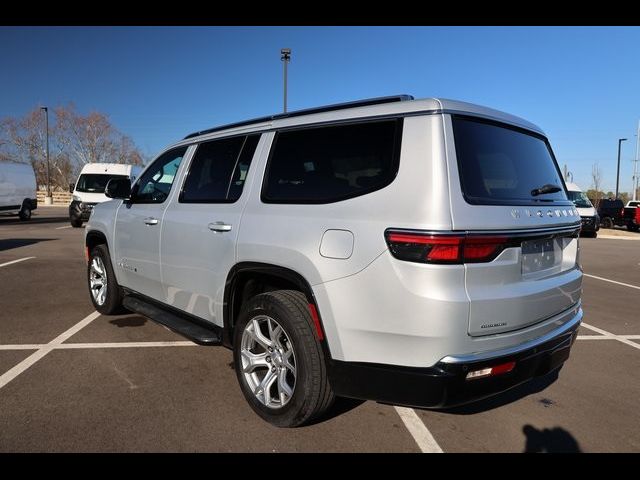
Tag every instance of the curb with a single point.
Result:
(615, 237)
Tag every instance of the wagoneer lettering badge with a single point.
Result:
(493, 325)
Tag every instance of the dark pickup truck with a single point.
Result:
(615, 213)
(611, 213)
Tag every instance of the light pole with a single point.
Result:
(48, 199)
(635, 164)
(620, 140)
(285, 56)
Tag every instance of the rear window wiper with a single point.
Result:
(548, 188)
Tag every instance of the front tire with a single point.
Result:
(278, 360)
(105, 293)
(25, 213)
(76, 222)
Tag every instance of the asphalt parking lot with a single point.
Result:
(74, 381)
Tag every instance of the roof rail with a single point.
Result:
(327, 108)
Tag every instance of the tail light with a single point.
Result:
(454, 248)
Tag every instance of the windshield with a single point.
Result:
(580, 199)
(94, 182)
(502, 165)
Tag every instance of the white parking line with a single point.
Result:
(66, 226)
(612, 281)
(602, 337)
(612, 336)
(418, 430)
(34, 346)
(45, 349)
(71, 346)
(15, 261)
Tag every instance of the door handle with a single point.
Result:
(151, 221)
(220, 227)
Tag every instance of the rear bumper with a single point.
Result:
(445, 384)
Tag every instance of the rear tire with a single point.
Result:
(606, 222)
(286, 397)
(105, 293)
(76, 222)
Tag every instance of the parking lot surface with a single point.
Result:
(74, 381)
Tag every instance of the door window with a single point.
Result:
(155, 184)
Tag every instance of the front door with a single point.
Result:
(201, 224)
(138, 226)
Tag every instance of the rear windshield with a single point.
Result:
(95, 182)
(501, 165)
(580, 199)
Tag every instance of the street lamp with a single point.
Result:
(635, 165)
(48, 197)
(285, 56)
(620, 140)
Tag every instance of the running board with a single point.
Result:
(193, 329)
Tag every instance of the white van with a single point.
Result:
(89, 188)
(17, 189)
(588, 214)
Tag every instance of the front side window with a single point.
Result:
(504, 165)
(332, 163)
(155, 184)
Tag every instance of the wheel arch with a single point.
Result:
(94, 238)
(246, 279)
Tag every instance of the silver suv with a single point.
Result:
(414, 252)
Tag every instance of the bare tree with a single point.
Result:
(74, 141)
(596, 182)
(24, 142)
(127, 152)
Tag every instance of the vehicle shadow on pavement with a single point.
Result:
(536, 385)
(549, 440)
(132, 321)
(9, 243)
(340, 406)
(34, 219)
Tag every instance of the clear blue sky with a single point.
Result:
(580, 84)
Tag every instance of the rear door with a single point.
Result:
(505, 184)
(200, 226)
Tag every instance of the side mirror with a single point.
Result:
(72, 187)
(118, 188)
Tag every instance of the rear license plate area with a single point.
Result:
(541, 255)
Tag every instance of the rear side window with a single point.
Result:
(218, 170)
(332, 163)
(501, 165)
